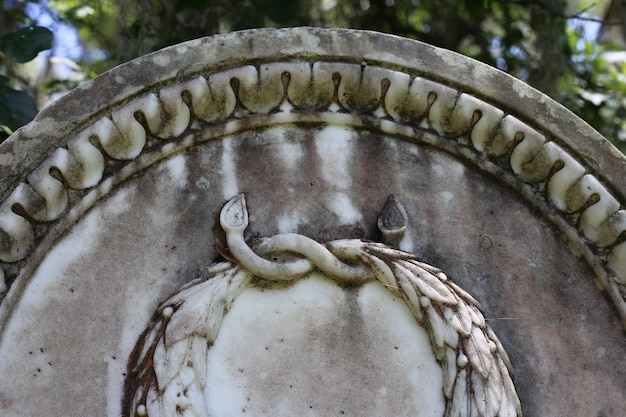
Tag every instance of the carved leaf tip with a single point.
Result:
(392, 221)
(393, 217)
(234, 215)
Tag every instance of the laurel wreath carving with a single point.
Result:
(167, 378)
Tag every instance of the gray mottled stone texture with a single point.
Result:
(111, 198)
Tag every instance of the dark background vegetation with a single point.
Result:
(551, 44)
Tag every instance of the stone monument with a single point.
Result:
(311, 222)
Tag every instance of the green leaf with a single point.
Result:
(16, 107)
(25, 43)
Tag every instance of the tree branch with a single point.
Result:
(557, 13)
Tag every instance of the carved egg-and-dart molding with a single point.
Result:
(195, 108)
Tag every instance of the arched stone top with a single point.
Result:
(146, 73)
(158, 105)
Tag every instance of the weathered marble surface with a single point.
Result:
(334, 343)
(127, 217)
(298, 377)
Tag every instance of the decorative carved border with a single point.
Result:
(150, 125)
(167, 369)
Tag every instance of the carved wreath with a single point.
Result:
(167, 374)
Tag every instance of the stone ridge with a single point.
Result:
(301, 87)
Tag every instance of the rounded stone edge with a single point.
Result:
(539, 145)
(26, 147)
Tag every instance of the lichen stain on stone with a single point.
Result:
(334, 148)
(342, 206)
(289, 222)
(228, 172)
(291, 151)
(203, 183)
(176, 170)
(181, 49)
(162, 60)
(446, 195)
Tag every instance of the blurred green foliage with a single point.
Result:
(542, 42)
(17, 107)
(595, 88)
(25, 43)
